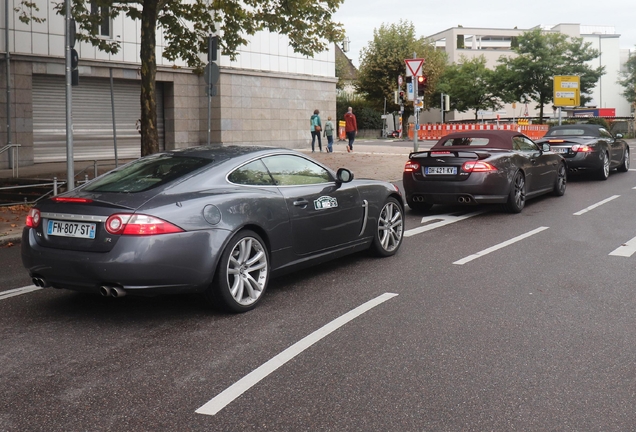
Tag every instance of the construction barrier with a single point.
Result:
(341, 130)
(437, 131)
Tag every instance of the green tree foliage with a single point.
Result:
(382, 60)
(367, 117)
(186, 25)
(541, 56)
(470, 85)
(628, 79)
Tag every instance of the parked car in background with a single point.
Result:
(219, 221)
(589, 148)
(483, 167)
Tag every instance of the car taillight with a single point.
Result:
(71, 200)
(411, 166)
(140, 225)
(581, 148)
(477, 166)
(556, 141)
(33, 218)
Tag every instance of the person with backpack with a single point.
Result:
(316, 127)
(329, 134)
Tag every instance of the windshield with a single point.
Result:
(466, 141)
(566, 132)
(147, 173)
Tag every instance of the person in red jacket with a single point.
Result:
(351, 128)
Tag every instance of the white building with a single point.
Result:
(494, 43)
(264, 97)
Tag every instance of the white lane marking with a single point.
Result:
(632, 169)
(248, 381)
(446, 219)
(593, 206)
(18, 291)
(499, 246)
(626, 249)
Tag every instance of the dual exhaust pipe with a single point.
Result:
(463, 200)
(104, 290)
(111, 291)
(418, 198)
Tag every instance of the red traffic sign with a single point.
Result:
(414, 66)
(399, 80)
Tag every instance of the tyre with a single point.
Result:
(624, 166)
(517, 197)
(561, 181)
(242, 274)
(603, 173)
(419, 206)
(389, 230)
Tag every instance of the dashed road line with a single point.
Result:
(593, 206)
(499, 246)
(248, 381)
(626, 249)
(18, 291)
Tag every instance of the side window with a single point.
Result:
(253, 173)
(523, 144)
(290, 170)
(605, 134)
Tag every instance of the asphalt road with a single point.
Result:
(488, 322)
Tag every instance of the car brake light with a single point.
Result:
(439, 153)
(477, 166)
(140, 225)
(411, 166)
(556, 141)
(33, 218)
(72, 200)
(581, 148)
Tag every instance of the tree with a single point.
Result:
(541, 56)
(628, 80)
(186, 26)
(382, 60)
(470, 85)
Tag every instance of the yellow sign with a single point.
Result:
(523, 122)
(567, 90)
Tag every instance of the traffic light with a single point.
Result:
(401, 97)
(422, 82)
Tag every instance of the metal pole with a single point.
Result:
(8, 76)
(70, 169)
(112, 105)
(209, 87)
(441, 104)
(559, 116)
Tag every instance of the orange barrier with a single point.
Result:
(437, 131)
(342, 134)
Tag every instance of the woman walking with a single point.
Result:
(316, 127)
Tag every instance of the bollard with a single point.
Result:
(85, 178)
(54, 186)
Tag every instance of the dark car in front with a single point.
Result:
(589, 148)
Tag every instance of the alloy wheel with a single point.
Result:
(390, 226)
(247, 271)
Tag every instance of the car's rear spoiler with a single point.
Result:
(444, 153)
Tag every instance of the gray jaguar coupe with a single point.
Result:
(214, 220)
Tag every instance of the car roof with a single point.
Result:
(500, 139)
(588, 129)
(219, 153)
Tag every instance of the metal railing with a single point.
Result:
(15, 160)
(55, 186)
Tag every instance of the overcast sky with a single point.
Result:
(361, 17)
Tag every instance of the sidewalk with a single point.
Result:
(379, 159)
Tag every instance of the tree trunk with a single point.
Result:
(149, 136)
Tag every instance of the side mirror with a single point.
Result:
(344, 175)
(545, 147)
(619, 136)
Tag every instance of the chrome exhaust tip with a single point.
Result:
(40, 282)
(105, 291)
(117, 292)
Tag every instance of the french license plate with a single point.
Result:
(71, 229)
(560, 149)
(440, 170)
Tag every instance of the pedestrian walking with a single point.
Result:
(329, 128)
(316, 128)
(351, 128)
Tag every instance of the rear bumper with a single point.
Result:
(170, 263)
(480, 188)
(584, 161)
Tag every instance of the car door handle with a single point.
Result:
(301, 203)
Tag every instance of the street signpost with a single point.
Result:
(414, 68)
(567, 91)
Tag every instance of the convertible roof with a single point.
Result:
(499, 139)
(587, 129)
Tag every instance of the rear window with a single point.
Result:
(147, 173)
(566, 132)
(466, 141)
